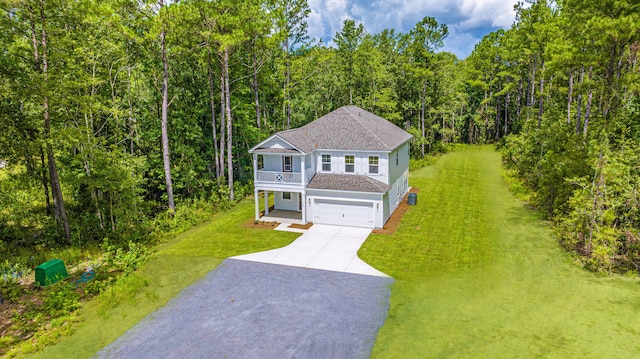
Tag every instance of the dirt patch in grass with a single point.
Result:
(393, 222)
(261, 224)
(6, 315)
(301, 226)
(14, 328)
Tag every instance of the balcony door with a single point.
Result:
(287, 164)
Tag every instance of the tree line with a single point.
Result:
(559, 92)
(119, 112)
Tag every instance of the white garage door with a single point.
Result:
(355, 214)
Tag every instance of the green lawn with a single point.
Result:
(478, 275)
(176, 265)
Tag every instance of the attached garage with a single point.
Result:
(346, 200)
(347, 213)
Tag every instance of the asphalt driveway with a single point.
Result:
(246, 309)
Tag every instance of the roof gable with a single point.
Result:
(275, 144)
(347, 128)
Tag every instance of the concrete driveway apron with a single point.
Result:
(322, 246)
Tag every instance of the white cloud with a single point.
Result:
(467, 20)
(480, 13)
(316, 28)
(331, 13)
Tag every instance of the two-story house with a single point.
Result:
(349, 167)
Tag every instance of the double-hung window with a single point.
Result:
(326, 163)
(349, 164)
(287, 164)
(373, 164)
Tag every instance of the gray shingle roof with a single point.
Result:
(347, 128)
(339, 182)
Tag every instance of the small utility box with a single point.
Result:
(412, 199)
(50, 272)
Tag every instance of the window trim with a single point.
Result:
(260, 162)
(322, 162)
(377, 164)
(353, 164)
(284, 164)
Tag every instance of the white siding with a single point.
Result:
(383, 168)
(386, 211)
(274, 162)
(397, 171)
(284, 204)
(381, 205)
(310, 166)
(276, 142)
(361, 163)
(297, 164)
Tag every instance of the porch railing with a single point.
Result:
(280, 177)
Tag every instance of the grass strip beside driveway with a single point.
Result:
(176, 265)
(478, 275)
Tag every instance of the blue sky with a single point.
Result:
(468, 20)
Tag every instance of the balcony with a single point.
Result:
(279, 177)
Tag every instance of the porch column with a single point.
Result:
(302, 170)
(266, 203)
(255, 168)
(257, 203)
(304, 207)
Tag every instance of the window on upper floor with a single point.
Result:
(260, 162)
(287, 164)
(397, 157)
(373, 164)
(326, 163)
(349, 164)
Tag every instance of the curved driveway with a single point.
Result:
(322, 246)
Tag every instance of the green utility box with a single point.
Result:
(50, 272)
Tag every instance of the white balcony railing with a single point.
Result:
(280, 177)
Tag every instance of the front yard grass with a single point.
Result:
(176, 265)
(478, 275)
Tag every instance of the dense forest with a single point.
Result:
(122, 119)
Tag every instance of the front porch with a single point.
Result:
(283, 216)
(280, 206)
